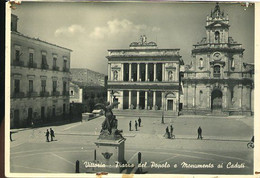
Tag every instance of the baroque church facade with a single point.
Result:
(218, 80)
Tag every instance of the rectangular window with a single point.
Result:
(54, 62)
(43, 84)
(65, 64)
(30, 86)
(54, 86)
(31, 58)
(44, 60)
(17, 55)
(16, 86)
(64, 87)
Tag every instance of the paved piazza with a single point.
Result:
(224, 140)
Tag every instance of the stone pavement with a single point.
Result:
(224, 139)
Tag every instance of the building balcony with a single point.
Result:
(216, 75)
(32, 65)
(44, 94)
(45, 66)
(55, 68)
(18, 63)
(65, 69)
(32, 94)
(65, 93)
(55, 93)
(18, 95)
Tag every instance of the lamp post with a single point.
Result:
(163, 106)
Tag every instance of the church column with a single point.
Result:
(138, 71)
(163, 104)
(194, 95)
(109, 71)
(240, 90)
(248, 99)
(225, 96)
(130, 72)
(137, 100)
(185, 88)
(209, 96)
(146, 71)
(154, 72)
(154, 99)
(122, 72)
(163, 71)
(130, 99)
(146, 98)
(108, 96)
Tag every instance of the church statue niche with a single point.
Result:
(115, 73)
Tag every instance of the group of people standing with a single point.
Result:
(49, 133)
(136, 124)
(169, 133)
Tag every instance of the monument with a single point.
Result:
(110, 145)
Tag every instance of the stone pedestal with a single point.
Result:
(111, 153)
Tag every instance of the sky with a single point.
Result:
(91, 28)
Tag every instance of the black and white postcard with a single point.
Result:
(131, 88)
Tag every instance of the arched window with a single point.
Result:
(217, 36)
(232, 63)
(71, 93)
(200, 96)
(201, 63)
(216, 71)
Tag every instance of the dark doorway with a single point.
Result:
(43, 113)
(216, 100)
(142, 100)
(169, 105)
(30, 115)
(115, 100)
(16, 118)
(125, 99)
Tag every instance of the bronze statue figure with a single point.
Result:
(109, 126)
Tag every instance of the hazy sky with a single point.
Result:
(90, 28)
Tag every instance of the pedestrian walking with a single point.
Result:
(136, 125)
(47, 135)
(52, 134)
(139, 122)
(171, 130)
(167, 132)
(130, 126)
(199, 133)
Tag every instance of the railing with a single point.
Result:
(55, 93)
(18, 95)
(44, 94)
(216, 75)
(18, 63)
(56, 68)
(32, 65)
(45, 66)
(32, 94)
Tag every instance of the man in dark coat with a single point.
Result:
(47, 135)
(171, 130)
(52, 134)
(199, 133)
(136, 125)
(167, 132)
(130, 125)
(139, 122)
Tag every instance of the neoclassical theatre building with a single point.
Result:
(144, 77)
(218, 80)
